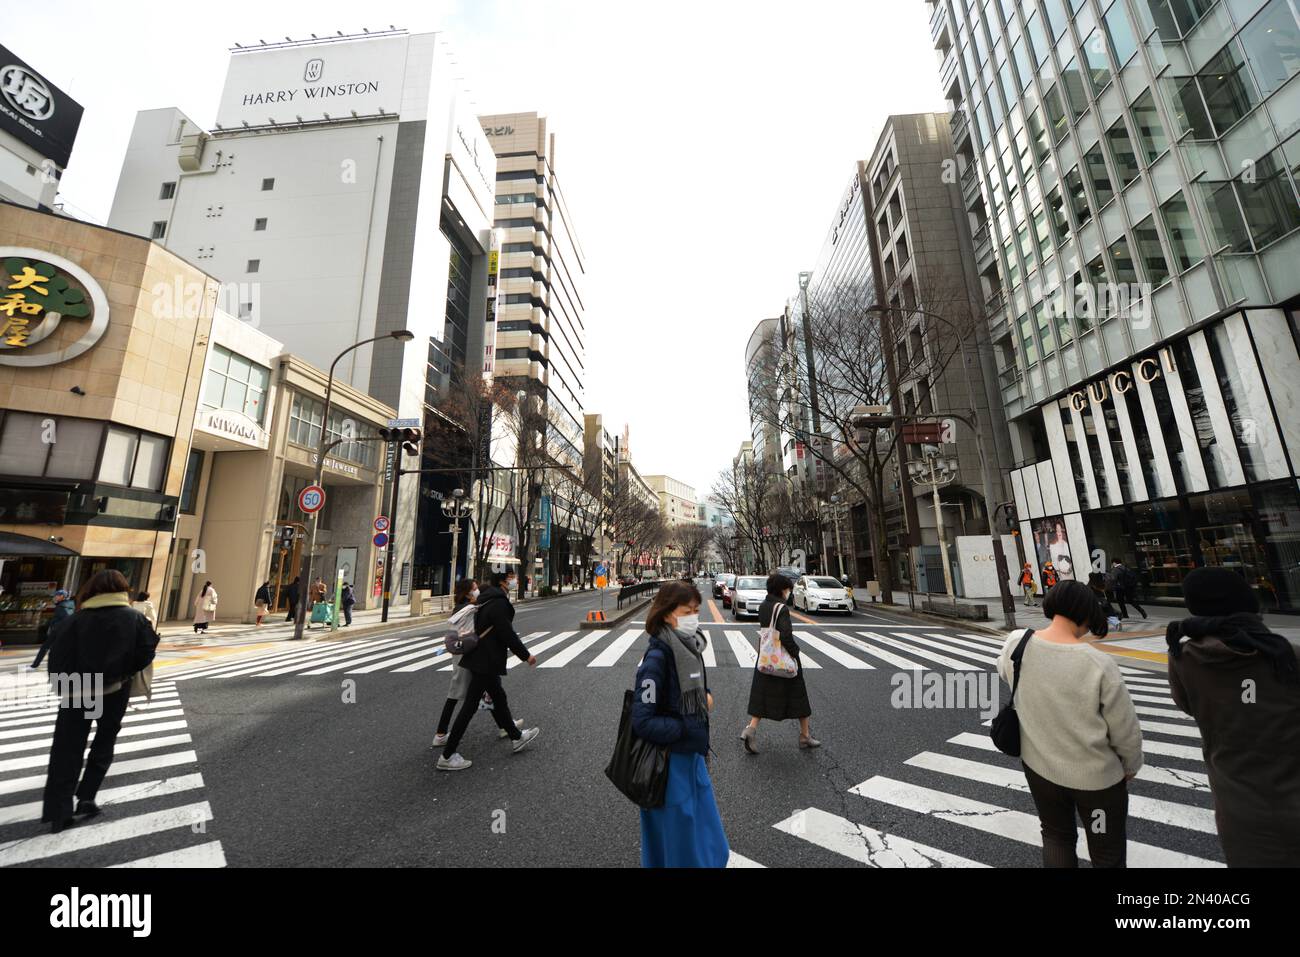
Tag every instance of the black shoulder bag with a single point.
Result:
(638, 767)
(1005, 730)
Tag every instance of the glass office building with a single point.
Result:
(1134, 209)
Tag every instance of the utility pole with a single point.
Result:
(401, 439)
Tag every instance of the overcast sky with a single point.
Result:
(703, 147)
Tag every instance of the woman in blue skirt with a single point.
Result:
(672, 706)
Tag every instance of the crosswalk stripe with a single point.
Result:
(955, 640)
(1182, 731)
(737, 860)
(880, 653)
(571, 652)
(436, 653)
(1150, 746)
(1148, 809)
(542, 646)
(616, 648)
(310, 652)
(865, 844)
(45, 704)
(201, 855)
(525, 639)
(989, 640)
(48, 713)
(746, 656)
(711, 661)
(16, 764)
(110, 796)
(1174, 777)
(43, 743)
(36, 782)
(921, 652)
(929, 640)
(95, 835)
(48, 727)
(1162, 713)
(992, 819)
(334, 656)
(203, 669)
(424, 644)
(830, 651)
(1154, 699)
(441, 658)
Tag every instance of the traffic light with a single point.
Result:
(409, 439)
(868, 418)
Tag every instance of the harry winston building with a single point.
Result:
(1129, 170)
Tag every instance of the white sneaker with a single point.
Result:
(527, 736)
(453, 763)
(439, 740)
(501, 732)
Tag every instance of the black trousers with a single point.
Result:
(500, 710)
(1104, 815)
(347, 614)
(1120, 596)
(45, 646)
(293, 611)
(71, 728)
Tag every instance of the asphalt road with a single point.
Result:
(250, 760)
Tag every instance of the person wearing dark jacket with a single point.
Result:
(1241, 683)
(346, 601)
(772, 696)
(262, 600)
(292, 594)
(671, 708)
(1124, 585)
(106, 641)
(494, 622)
(63, 608)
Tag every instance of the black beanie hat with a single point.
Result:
(1218, 591)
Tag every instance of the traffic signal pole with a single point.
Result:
(392, 530)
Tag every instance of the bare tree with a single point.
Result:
(690, 541)
(743, 491)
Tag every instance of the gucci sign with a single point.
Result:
(1121, 381)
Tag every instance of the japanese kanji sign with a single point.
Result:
(38, 293)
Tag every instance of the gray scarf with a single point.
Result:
(688, 653)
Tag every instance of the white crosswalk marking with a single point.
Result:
(920, 653)
(883, 655)
(433, 654)
(830, 651)
(615, 649)
(110, 796)
(204, 855)
(346, 655)
(277, 656)
(387, 653)
(542, 646)
(711, 661)
(929, 640)
(571, 652)
(92, 835)
(864, 844)
(1174, 777)
(743, 651)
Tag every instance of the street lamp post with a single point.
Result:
(839, 549)
(455, 508)
(322, 446)
(937, 472)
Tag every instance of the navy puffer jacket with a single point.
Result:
(661, 721)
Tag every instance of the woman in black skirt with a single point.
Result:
(770, 696)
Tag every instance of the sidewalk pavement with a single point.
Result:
(275, 628)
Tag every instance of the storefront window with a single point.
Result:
(1164, 554)
(21, 450)
(1142, 437)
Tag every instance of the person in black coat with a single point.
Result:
(494, 622)
(771, 696)
(293, 592)
(93, 656)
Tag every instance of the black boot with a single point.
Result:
(87, 809)
(58, 826)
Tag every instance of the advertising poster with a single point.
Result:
(1052, 544)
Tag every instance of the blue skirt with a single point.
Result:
(687, 830)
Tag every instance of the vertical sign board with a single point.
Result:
(490, 319)
(544, 513)
(36, 111)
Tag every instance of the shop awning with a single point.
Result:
(21, 546)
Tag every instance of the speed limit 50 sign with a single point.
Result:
(311, 499)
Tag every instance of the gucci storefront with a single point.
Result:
(1180, 458)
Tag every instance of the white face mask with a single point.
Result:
(688, 623)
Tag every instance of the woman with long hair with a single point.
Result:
(671, 708)
(775, 697)
(1080, 742)
(94, 654)
(205, 608)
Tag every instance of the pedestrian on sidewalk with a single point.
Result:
(292, 594)
(463, 619)
(1080, 742)
(144, 606)
(346, 601)
(771, 696)
(1097, 583)
(205, 608)
(1028, 586)
(1241, 683)
(1123, 583)
(262, 601)
(1050, 578)
(318, 590)
(671, 708)
(108, 639)
(63, 608)
(494, 621)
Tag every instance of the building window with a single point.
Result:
(159, 230)
(1151, 134)
(1038, 45)
(1122, 152)
(1182, 237)
(1120, 32)
(305, 416)
(190, 486)
(1042, 146)
(1056, 113)
(1269, 202)
(1096, 168)
(133, 459)
(168, 191)
(1125, 272)
(1272, 44)
(1094, 52)
(1056, 206)
(254, 265)
(259, 224)
(268, 184)
(236, 384)
(1148, 247)
(1175, 18)
(1078, 197)
(1055, 17)
(1072, 80)
(245, 310)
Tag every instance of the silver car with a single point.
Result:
(747, 595)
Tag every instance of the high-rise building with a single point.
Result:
(344, 192)
(1130, 174)
(763, 356)
(539, 343)
(38, 125)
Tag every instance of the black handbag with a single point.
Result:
(638, 768)
(1005, 729)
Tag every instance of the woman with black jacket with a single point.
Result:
(671, 708)
(94, 654)
(771, 696)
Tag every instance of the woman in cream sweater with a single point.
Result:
(1080, 742)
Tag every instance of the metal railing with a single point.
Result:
(628, 592)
